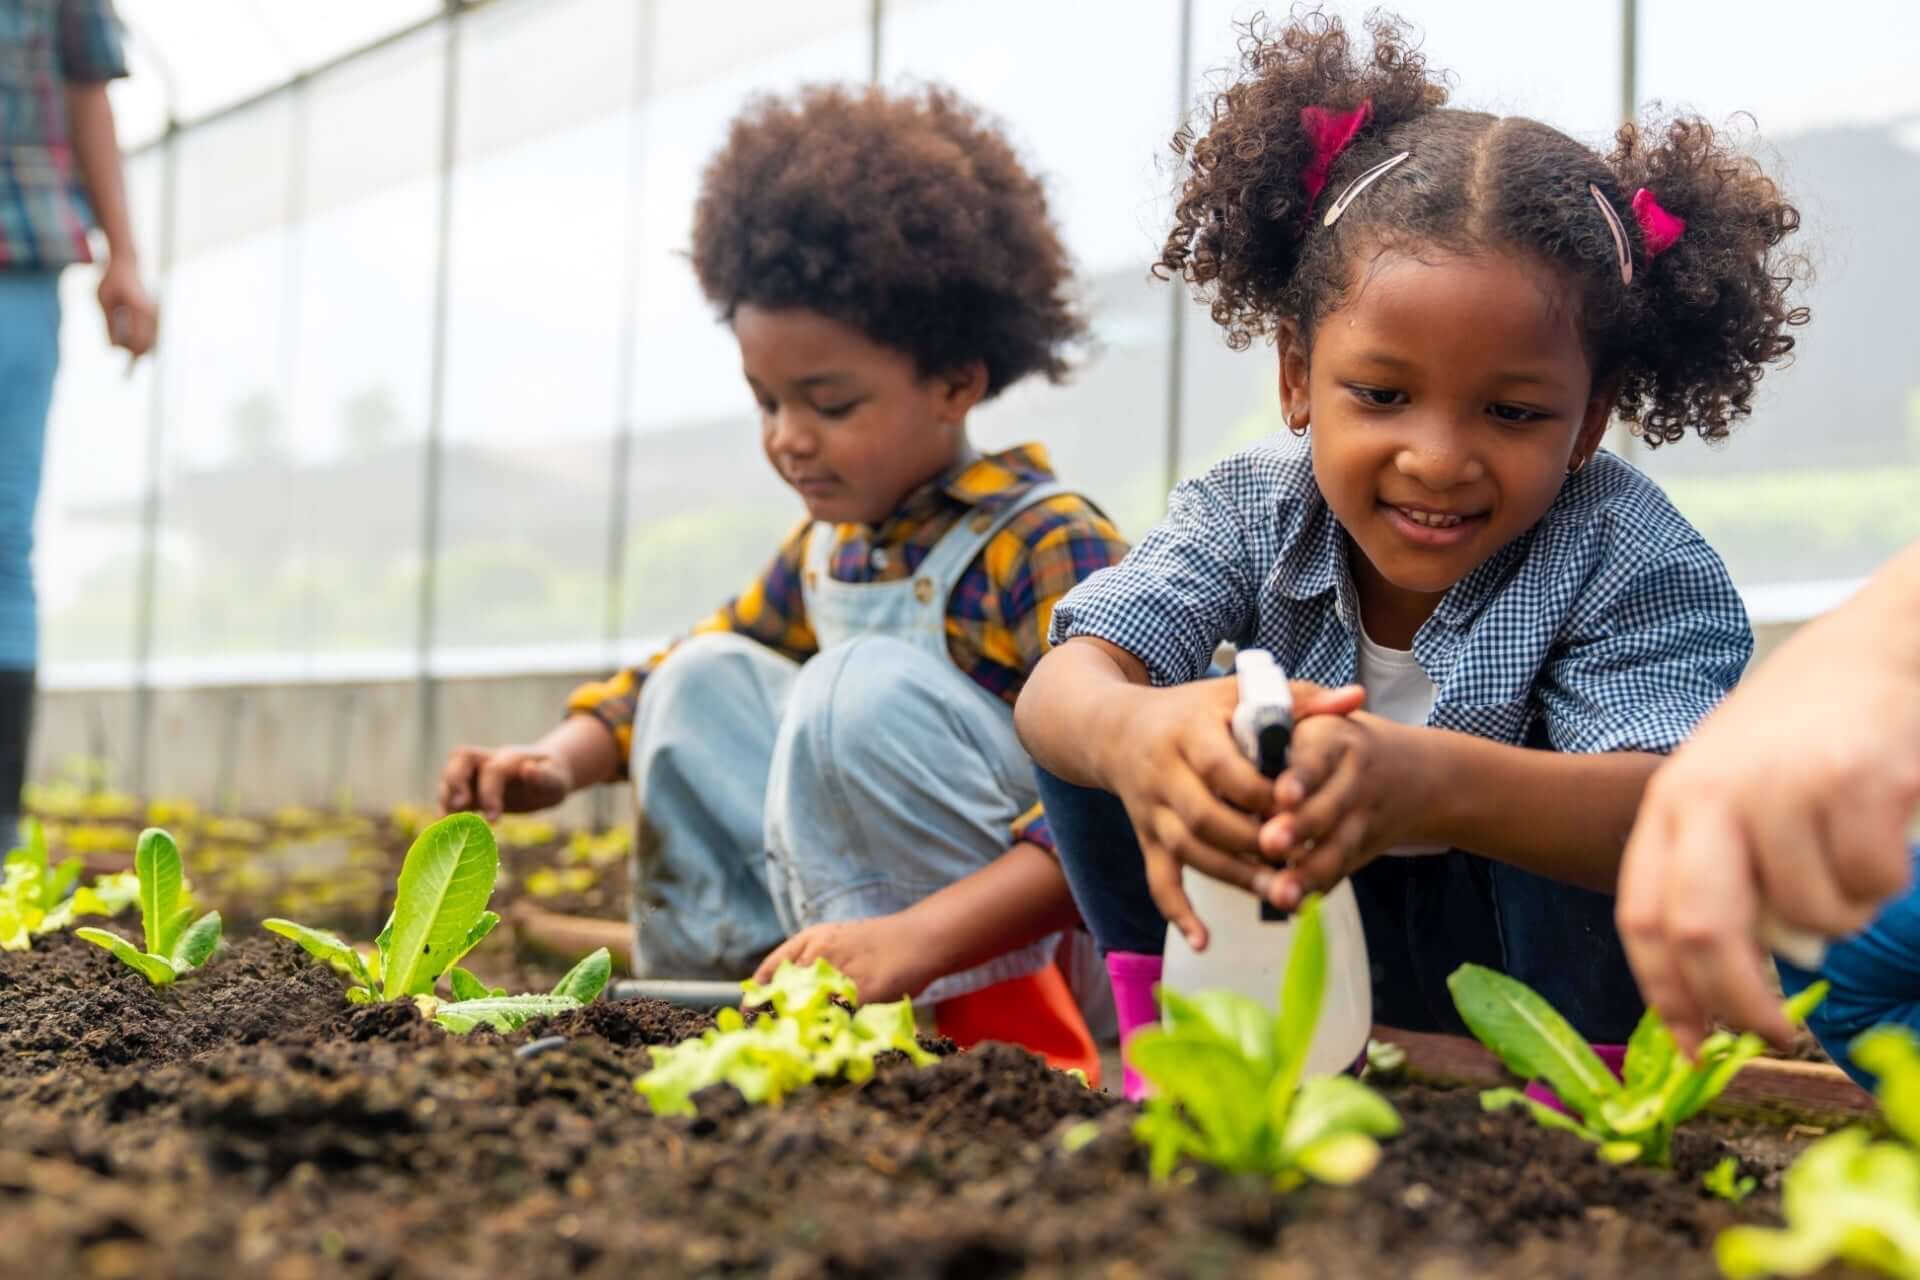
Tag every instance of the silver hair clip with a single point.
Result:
(1621, 247)
(1360, 184)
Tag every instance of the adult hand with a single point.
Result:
(1795, 798)
(133, 319)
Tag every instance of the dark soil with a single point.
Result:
(248, 1122)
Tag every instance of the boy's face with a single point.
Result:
(852, 425)
(1448, 399)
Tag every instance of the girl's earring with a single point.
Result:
(1578, 463)
(1298, 424)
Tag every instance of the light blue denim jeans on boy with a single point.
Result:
(775, 795)
(29, 354)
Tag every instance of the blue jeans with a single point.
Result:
(29, 354)
(1424, 918)
(776, 795)
(1875, 976)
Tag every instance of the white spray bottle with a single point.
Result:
(1251, 940)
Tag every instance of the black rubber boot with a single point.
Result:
(17, 689)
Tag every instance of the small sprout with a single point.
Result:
(1724, 1180)
(1079, 1136)
(177, 942)
(808, 1036)
(1079, 1075)
(34, 896)
(439, 914)
(1630, 1120)
(1849, 1198)
(1226, 1075)
(1386, 1060)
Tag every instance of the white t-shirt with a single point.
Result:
(1397, 690)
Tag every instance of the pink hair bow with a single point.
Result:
(1658, 228)
(1331, 131)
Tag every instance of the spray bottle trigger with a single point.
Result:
(1274, 741)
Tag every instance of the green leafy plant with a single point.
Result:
(37, 899)
(1849, 1198)
(808, 1034)
(439, 915)
(475, 1004)
(1724, 1180)
(176, 942)
(1631, 1119)
(1227, 1081)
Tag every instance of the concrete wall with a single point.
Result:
(261, 746)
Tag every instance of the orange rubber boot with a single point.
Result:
(1036, 1012)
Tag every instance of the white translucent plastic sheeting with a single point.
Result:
(209, 54)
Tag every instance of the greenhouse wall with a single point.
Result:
(440, 424)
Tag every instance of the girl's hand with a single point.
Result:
(496, 780)
(1354, 787)
(1194, 800)
(882, 955)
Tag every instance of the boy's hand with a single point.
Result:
(1194, 800)
(882, 955)
(496, 780)
(1353, 788)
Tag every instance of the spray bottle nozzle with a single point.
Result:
(1263, 714)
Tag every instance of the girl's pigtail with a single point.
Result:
(1709, 295)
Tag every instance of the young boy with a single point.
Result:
(829, 758)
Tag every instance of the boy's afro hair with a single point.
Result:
(907, 216)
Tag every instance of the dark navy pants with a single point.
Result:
(1424, 917)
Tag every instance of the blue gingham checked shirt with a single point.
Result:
(1608, 626)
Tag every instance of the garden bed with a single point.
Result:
(248, 1121)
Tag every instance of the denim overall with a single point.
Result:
(776, 795)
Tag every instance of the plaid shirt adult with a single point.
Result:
(44, 46)
(1608, 626)
(997, 615)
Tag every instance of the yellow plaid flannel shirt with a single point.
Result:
(997, 615)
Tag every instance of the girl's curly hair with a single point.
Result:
(1686, 341)
(907, 216)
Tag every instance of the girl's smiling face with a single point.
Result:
(850, 424)
(1448, 397)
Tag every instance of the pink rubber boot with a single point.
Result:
(1614, 1055)
(1134, 975)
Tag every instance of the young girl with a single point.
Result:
(1461, 303)
(834, 746)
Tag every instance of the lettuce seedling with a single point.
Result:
(808, 1035)
(1849, 1198)
(1630, 1119)
(439, 915)
(1227, 1089)
(177, 943)
(37, 899)
(1724, 1180)
(475, 1004)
